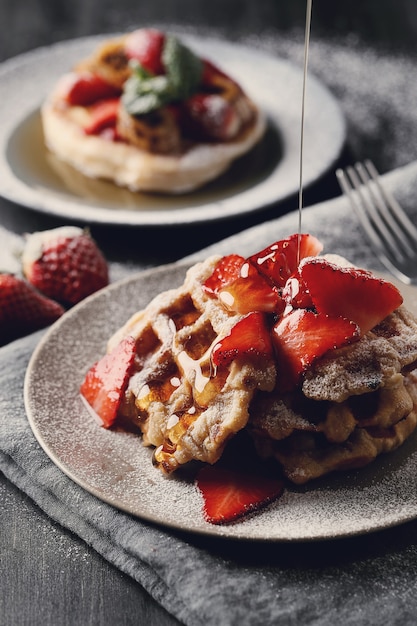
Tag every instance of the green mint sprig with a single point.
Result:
(143, 92)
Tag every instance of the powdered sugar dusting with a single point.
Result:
(118, 469)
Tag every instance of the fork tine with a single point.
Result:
(398, 223)
(377, 211)
(350, 182)
(396, 208)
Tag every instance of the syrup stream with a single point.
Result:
(303, 99)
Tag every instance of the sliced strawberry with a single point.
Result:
(110, 134)
(229, 494)
(210, 71)
(250, 292)
(352, 293)
(87, 88)
(303, 336)
(209, 117)
(280, 260)
(106, 381)
(103, 115)
(146, 45)
(295, 294)
(225, 272)
(249, 336)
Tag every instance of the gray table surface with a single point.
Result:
(49, 576)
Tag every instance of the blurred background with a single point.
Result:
(364, 51)
(386, 23)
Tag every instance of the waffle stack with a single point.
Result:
(350, 404)
(182, 407)
(354, 404)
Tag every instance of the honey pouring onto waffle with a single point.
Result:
(286, 365)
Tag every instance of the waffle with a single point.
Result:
(179, 406)
(354, 404)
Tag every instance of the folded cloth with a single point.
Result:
(333, 222)
(204, 580)
(373, 88)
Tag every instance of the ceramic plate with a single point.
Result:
(32, 177)
(116, 468)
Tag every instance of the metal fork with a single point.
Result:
(391, 233)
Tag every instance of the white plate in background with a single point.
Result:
(32, 177)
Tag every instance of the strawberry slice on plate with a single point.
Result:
(229, 494)
(210, 73)
(146, 46)
(210, 117)
(279, 261)
(295, 294)
(103, 115)
(106, 381)
(250, 292)
(85, 88)
(225, 272)
(352, 293)
(249, 336)
(303, 336)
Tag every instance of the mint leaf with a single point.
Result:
(143, 92)
(183, 67)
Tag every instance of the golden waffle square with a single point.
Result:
(179, 406)
(354, 404)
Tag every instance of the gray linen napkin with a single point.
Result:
(368, 580)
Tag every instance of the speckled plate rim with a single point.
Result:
(325, 133)
(117, 469)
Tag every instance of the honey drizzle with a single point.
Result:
(192, 367)
(179, 423)
(303, 100)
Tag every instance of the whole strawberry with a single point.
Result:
(64, 263)
(22, 309)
